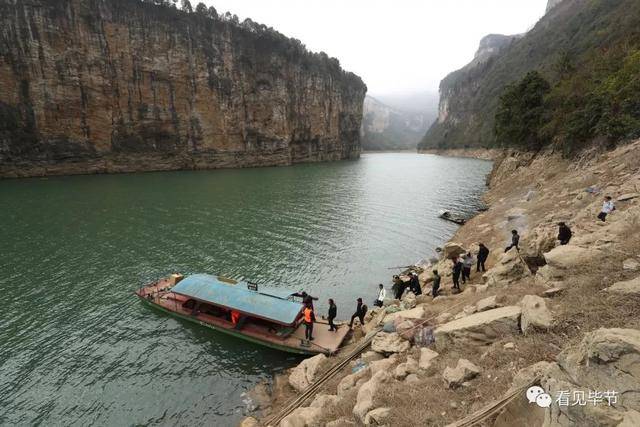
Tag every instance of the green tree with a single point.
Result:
(521, 112)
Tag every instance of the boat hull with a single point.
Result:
(231, 332)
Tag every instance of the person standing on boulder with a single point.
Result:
(564, 233)
(436, 284)
(333, 312)
(415, 284)
(467, 265)
(398, 287)
(381, 296)
(483, 254)
(456, 271)
(361, 310)
(515, 239)
(607, 208)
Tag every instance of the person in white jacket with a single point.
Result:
(607, 208)
(382, 293)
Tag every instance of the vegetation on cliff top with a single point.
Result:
(589, 54)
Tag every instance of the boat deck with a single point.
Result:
(291, 338)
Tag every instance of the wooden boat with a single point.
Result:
(239, 309)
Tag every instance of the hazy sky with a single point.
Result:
(395, 46)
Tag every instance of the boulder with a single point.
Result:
(426, 358)
(408, 301)
(304, 374)
(386, 343)
(406, 368)
(630, 264)
(567, 257)
(412, 379)
(606, 359)
(325, 401)
(414, 313)
(535, 313)
(509, 346)
(464, 371)
(628, 196)
(509, 269)
(383, 365)
(377, 417)
(527, 375)
(453, 250)
(444, 317)
(303, 417)
(488, 303)
(480, 288)
(480, 328)
(552, 292)
(249, 422)
(341, 422)
(352, 381)
(626, 287)
(405, 328)
(366, 394)
(469, 310)
(370, 356)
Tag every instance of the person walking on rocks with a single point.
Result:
(361, 310)
(467, 265)
(436, 284)
(309, 319)
(398, 287)
(515, 239)
(607, 208)
(456, 271)
(381, 296)
(483, 254)
(333, 312)
(564, 233)
(415, 284)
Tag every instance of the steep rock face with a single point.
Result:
(566, 41)
(91, 86)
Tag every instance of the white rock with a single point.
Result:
(406, 368)
(341, 422)
(480, 328)
(535, 313)
(567, 257)
(627, 196)
(377, 417)
(509, 269)
(426, 358)
(304, 374)
(415, 313)
(630, 264)
(249, 422)
(453, 249)
(626, 287)
(351, 381)
(488, 303)
(509, 346)
(464, 371)
(302, 417)
(366, 394)
(386, 343)
(383, 365)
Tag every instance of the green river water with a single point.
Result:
(77, 348)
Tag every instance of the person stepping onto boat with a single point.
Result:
(333, 312)
(309, 318)
(361, 311)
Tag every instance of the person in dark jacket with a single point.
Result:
(398, 287)
(436, 284)
(483, 254)
(415, 284)
(361, 310)
(457, 270)
(564, 233)
(333, 312)
(515, 239)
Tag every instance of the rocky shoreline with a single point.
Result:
(563, 317)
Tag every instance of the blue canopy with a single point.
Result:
(208, 288)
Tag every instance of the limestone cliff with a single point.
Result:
(583, 49)
(89, 86)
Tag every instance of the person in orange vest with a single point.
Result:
(309, 318)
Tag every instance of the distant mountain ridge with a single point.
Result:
(397, 122)
(586, 51)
